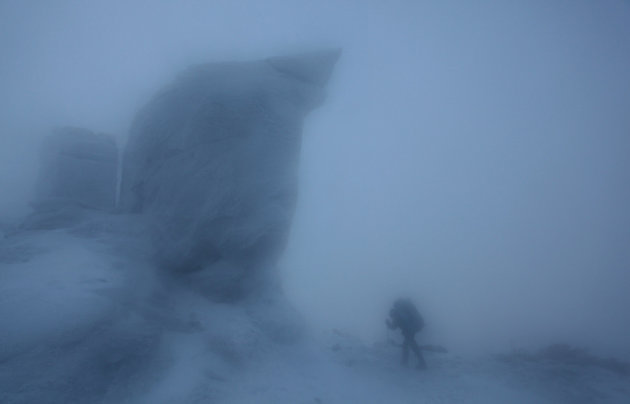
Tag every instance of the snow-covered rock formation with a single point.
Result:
(211, 167)
(212, 162)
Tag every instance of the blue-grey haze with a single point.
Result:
(472, 155)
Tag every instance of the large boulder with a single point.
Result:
(78, 167)
(212, 161)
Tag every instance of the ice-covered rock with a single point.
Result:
(78, 167)
(212, 160)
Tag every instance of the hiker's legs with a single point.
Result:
(405, 352)
(416, 349)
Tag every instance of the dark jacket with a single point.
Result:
(405, 315)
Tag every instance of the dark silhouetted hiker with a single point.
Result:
(405, 315)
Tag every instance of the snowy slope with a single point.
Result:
(310, 373)
(84, 320)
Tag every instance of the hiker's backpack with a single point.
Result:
(408, 316)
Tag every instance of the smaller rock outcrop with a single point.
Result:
(78, 167)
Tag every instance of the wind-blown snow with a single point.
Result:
(86, 315)
(83, 319)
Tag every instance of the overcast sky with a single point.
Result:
(472, 156)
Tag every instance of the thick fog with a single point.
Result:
(470, 155)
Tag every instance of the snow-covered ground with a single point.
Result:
(83, 318)
(347, 372)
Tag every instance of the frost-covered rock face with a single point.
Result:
(212, 162)
(78, 167)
